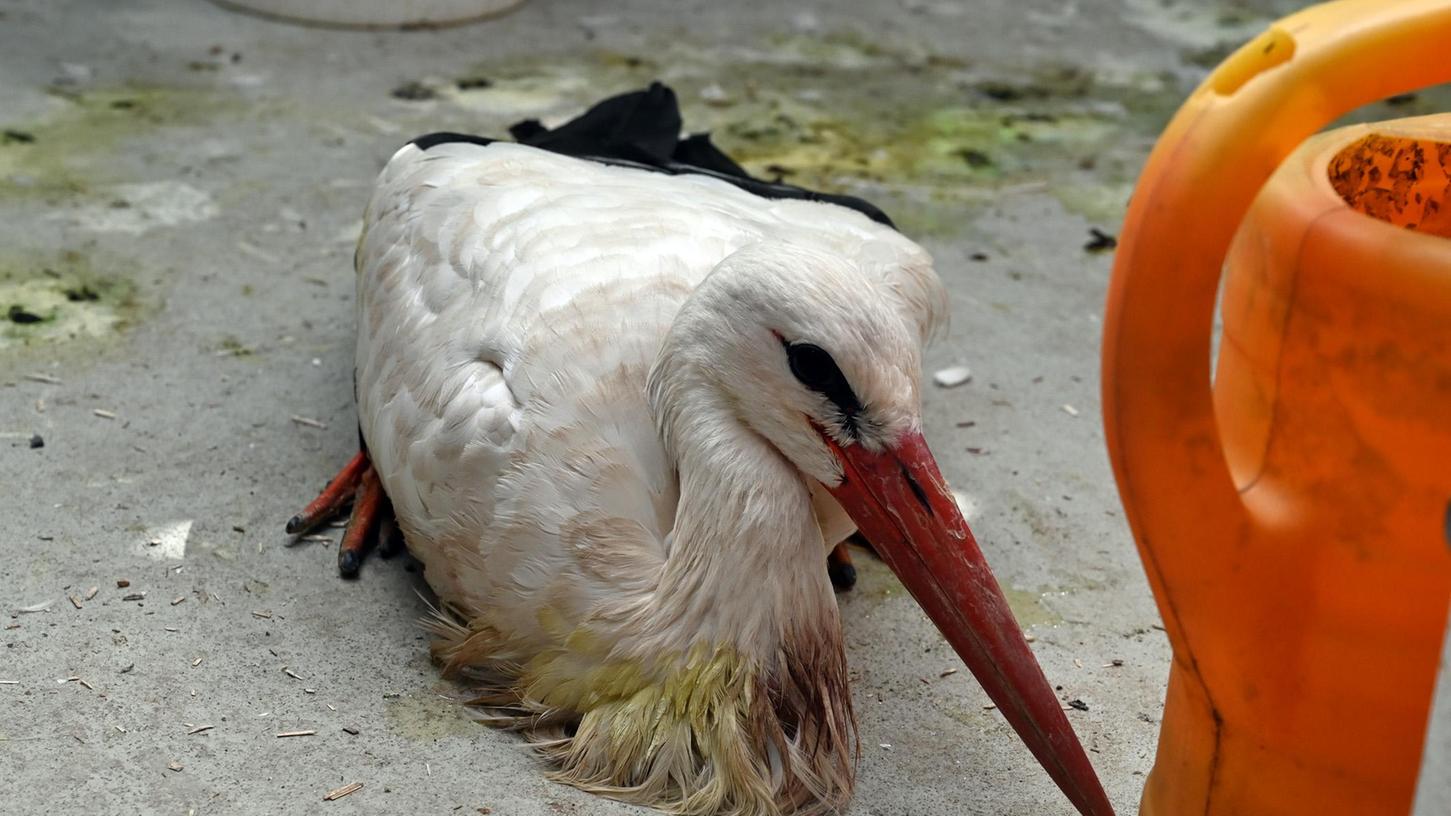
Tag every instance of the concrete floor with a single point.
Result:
(192, 181)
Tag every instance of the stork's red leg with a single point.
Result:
(333, 498)
(372, 514)
(369, 507)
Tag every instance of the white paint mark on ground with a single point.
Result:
(138, 208)
(166, 542)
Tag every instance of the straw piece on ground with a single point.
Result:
(338, 793)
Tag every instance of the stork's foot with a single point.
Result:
(371, 519)
(839, 564)
(840, 568)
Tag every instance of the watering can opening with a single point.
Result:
(1399, 175)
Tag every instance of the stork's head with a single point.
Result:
(822, 358)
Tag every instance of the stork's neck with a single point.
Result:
(746, 557)
(744, 565)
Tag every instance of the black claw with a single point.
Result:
(295, 524)
(843, 576)
(348, 563)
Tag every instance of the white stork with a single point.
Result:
(622, 399)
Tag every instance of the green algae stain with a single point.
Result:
(426, 716)
(917, 132)
(69, 151)
(230, 346)
(66, 297)
(1030, 610)
(1104, 202)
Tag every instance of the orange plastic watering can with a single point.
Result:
(1292, 513)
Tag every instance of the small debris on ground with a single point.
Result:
(174, 766)
(122, 583)
(36, 441)
(19, 314)
(103, 413)
(1078, 704)
(338, 793)
(127, 669)
(348, 729)
(199, 729)
(134, 596)
(37, 607)
(43, 378)
(885, 745)
(1099, 241)
(952, 377)
(296, 734)
(257, 252)
(90, 593)
(413, 92)
(1069, 410)
(948, 673)
(309, 421)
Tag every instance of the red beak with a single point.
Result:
(901, 504)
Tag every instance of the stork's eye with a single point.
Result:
(816, 370)
(813, 366)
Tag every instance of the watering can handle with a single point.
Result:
(1199, 182)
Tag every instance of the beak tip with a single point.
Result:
(903, 506)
